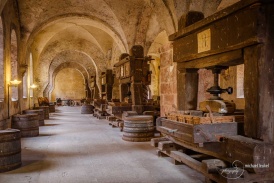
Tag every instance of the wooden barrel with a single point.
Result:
(10, 149)
(87, 109)
(40, 113)
(51, 107)
(128, 113)
(138, 128)
(28, 124)
(46, 111)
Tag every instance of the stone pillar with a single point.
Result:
(168, 80)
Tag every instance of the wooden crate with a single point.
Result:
(189, 119)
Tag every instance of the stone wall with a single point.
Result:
(168, 80)
(69, 84)
(9, 12)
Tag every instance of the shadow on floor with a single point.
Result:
(32, 161)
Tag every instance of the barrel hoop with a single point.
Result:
(137, 119)
(150, 124)
(143, 121)
(138, 135)
(136, 139)
(11, 140)
(136, 130)
(10, 154)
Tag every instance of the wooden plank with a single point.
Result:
(115, 124)
(182, 127)
(213, 165)
(250, 151)
(251, 55)
(230, 58)
(198, 133)
(175, 162)
(196, 165)
(200, 157)
(166, 146)
(210, 172)
(171, 132)
(161, 153)
(212, 132)
(155, 141)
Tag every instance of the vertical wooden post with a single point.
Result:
(187, 83)
(123, 91)
(109, 84)
(96, 91)
(259, 82)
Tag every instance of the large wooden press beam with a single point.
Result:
(241, 33)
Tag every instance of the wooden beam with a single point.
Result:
(166, 146)
(155, 141)
(230, 58)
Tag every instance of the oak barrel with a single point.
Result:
(10, 149)
(138, 128)
(51, 107)
(46, 111)
(28, 124)
(40, 113)
(87, 109)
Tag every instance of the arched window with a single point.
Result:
(240, 81)
(14, 70)
(30, 71)
(1, 61)
(25, 85)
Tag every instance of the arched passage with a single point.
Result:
(72, 65)
(69, 83)
(160, 40)
(65, 59)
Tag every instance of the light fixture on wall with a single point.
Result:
(13, 83)
(33, 86)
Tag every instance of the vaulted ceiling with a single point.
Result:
(94, 33)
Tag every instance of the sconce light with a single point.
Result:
(33, 86)
(14, 83)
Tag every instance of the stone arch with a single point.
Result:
(66, 58)
(65, 54)
(75, 19)
(154, 50)
(66, 66)
(73, 65)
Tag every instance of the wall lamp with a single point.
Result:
(13, 83)
(33, 86)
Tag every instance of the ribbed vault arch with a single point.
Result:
(73, 65)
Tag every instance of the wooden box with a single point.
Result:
(197, 133)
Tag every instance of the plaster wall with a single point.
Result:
(69, 84)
